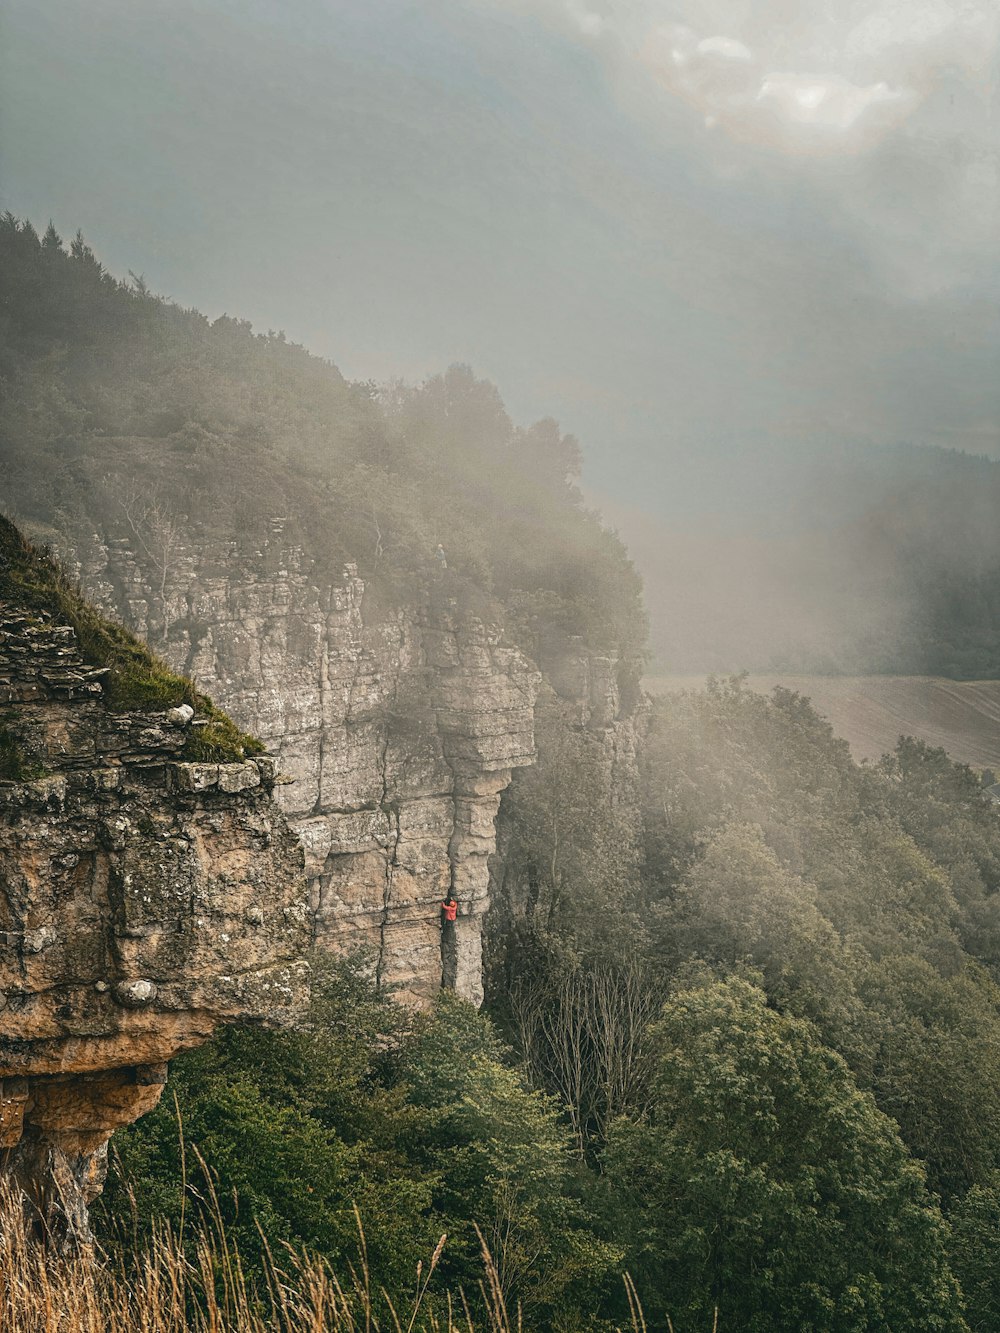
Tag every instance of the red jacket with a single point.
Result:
(450, 910)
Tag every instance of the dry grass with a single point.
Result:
(166, 1291)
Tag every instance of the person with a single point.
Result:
(449, 910)
(442, 559)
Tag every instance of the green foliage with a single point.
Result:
(502, 1158)
(866, 897)
(296, 1129)
(572, 843)
(420, 1125)
(16, 764)
(220, 741)
(934, 1045)
(739, 904)
(136, 679)
(975, 1253)
(765, 1184)
(844, 919)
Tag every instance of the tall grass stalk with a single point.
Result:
(162, 1289)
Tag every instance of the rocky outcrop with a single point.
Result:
(399, 731)
(143, 900)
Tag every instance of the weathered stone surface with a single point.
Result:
(400, 732)
(142, 901)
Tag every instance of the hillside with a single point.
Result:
(154, 424)
(740, 1012)
(872, 712)
(856, 560)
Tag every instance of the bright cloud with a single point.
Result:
(799, 79)
(830, 102)
(886, 108)
(726, 47)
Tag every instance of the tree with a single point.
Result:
(581, 1028)
(739, 904)
(765, 1184)
(936, 1065)
(296, 1130)
(502, 1159)
(975, 1253)
(571, 856)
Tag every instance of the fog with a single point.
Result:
(740, 248)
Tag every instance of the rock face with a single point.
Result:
(143, 900)
(399, 731)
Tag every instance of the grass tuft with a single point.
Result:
(204, 1288)
(15, 764)
(137, 680)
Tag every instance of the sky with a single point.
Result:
(724, 242)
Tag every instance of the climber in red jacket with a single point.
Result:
(449, 910)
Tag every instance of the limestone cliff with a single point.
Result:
(399, 730)
(143, 900)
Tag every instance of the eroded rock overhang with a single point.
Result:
(143, 901)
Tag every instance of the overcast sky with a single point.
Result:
(702, 233)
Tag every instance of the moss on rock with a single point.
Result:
(136, 681)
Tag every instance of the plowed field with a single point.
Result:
(872, 712)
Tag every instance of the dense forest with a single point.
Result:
(742, 1029)
(756, 1066)
(935, 539)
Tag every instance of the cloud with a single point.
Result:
(878, 114)
(727, 48)
(828, 102)
(807, 111)
(795, 77)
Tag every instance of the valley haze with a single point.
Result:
(499, 666)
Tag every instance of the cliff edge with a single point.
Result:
(150, 888)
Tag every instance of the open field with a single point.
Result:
(872, 712)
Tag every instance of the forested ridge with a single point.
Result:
(742, 1029)
(930, 540)
(110, 391)
(860, 559)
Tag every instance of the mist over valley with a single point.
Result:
(500, 666)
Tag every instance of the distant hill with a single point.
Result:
(869, 560)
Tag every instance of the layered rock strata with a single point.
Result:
(399, 732)
(143, 901)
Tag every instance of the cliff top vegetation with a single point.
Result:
(136, 680)
(159, 426)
